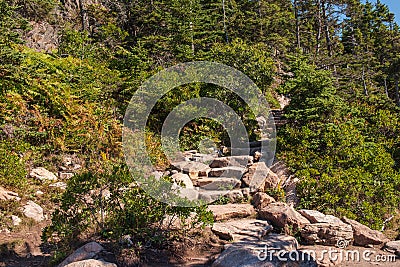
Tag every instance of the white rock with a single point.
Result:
(8, 195)
(65, 175)
(183, 178)
(91, 263)
(15, 220)
(42, 174)
(77, 167)
(86, 252)
(60, 185)
(34, 211)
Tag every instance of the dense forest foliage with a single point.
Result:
(337, 60)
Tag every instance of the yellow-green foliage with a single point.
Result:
(61, 105)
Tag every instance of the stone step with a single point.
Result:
(239, 161)
(231, 171)
(210, 196)
(192, 168)
(232, 211)
(242, 229)
(203, 158)
(220, 183)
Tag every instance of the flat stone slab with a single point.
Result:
(363, 235)
(393, 247)
(242, 230)
(42, 174)
(231, 211)
(220, 183)
(239, 161)
(203, 158)
(210, 196)
(232, 172)
(327, 234)
(318, 217)
(192, 168)
(259, 254)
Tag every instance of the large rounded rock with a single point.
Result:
(274, 251)
(262, 200)
(42, 174)
(86, 252)
(91, 263)
(184, 179)
(280, 215)
(259, 177)
(33, 211)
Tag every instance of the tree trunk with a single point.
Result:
(319, 30)
(260, 17)
(296, 15)
(326, 27)
(386, 88)
(192, 37)
(84, 16)
(226, 32)
(397, 90)
(364, 83)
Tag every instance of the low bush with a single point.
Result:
(112, 205)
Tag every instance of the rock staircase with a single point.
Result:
(267, 222)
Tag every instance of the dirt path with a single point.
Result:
(24, 247)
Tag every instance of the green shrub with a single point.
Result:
(112, 205)
(12, 168)
(343, 153)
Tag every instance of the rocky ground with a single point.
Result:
(251, 228)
